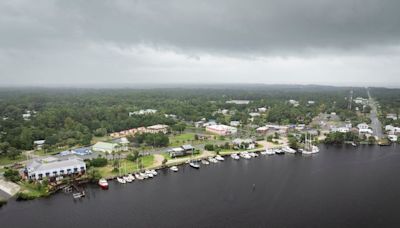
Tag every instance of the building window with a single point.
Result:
(61, 172)
(82, 168)
(47, 174)
(75, 170)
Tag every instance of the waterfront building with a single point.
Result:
(49, 167)
(221, 129)
(181, 151)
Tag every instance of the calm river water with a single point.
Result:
(339, 187)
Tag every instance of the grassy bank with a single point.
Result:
(31, 191)
(126, 166)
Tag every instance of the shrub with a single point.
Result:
(12, 175)
(98, 162)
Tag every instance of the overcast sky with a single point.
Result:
(89, 42)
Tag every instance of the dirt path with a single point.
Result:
(158, 159)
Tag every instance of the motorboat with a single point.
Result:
(103, 183)
(131, 177)
(264, 152)
(354, 144)
(121, 180)
(270, 152)
(174, 168)
(144, 175)
(194, 164)
(154, 172)
(138, 176)
(149, 173)
(252, 154)
(205, 162)
(127, 179)
(219, 158)
(212, 160)
(235, 156)
(289, 150)
(279, 151)
(245, 155)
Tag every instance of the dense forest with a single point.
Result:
(70, 117)
(389, 100)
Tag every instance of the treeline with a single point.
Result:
(69, 117)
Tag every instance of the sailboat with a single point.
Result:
(194, 164)
(309, 148)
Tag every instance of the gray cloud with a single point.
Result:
(67, 41)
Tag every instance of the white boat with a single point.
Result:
(314, 150)
(219, 158)
(130, 176)
(212, 160)
(138, 176)
(235, 156)
(245, 155)
(149, 173)
(279, 151)
(127, 179)
(252, 154)
(194, 164)
(103, 183)
(354, 144)
(154, 172)
(121, 180)
(144, 175)
(309, 148)
(264, 152)
(174, 168)
(289, 150)
(270, 152)
(205, 162)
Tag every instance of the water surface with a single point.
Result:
(339, 187)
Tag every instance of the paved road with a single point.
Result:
(375, 123)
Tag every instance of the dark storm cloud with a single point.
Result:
(218, 26)
(259, 41)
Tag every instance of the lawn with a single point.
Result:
(101, 139)
(4, 160)
(126, 166)
(178, 140)
(31, 191)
